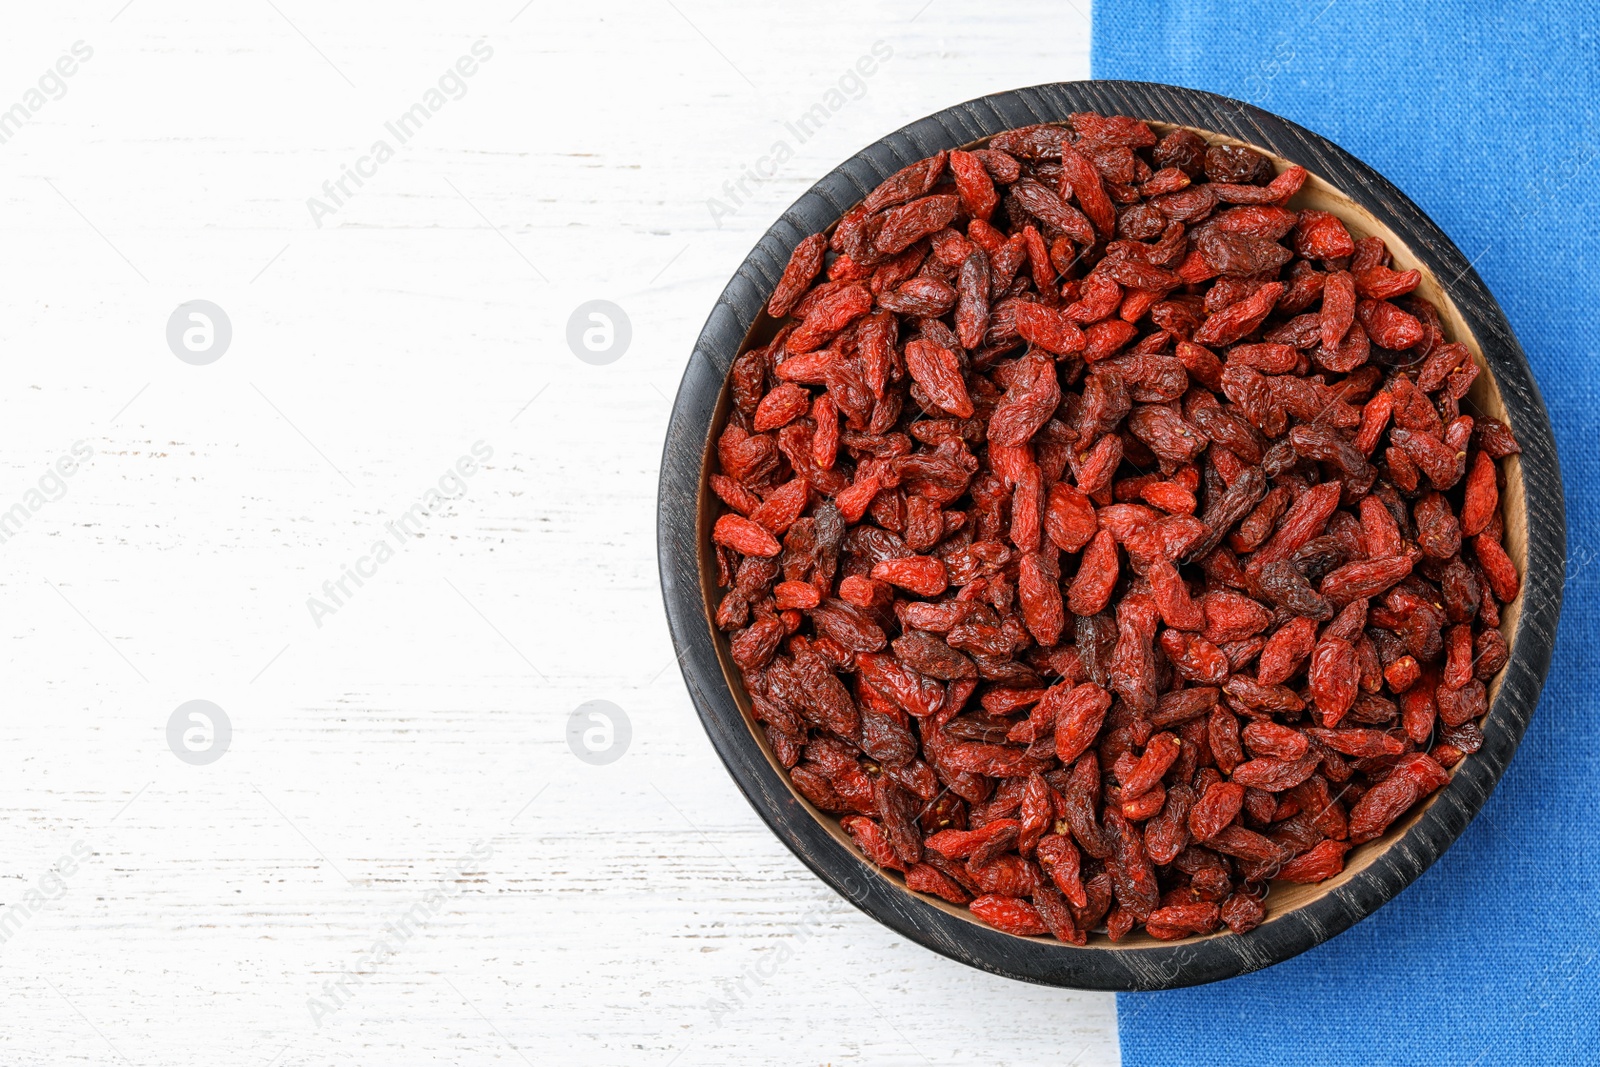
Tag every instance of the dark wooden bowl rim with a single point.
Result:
(683, 529)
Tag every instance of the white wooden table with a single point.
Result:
(397, 859)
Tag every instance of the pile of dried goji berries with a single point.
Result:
(1105, 539)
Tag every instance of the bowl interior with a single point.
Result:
(1484, 399)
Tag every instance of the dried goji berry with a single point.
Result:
(1011, 914)
(805, 262)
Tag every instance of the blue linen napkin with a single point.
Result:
(1485, 114)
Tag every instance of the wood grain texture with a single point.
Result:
(633, 914)
(1298, 917)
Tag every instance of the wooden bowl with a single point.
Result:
(1298, 916)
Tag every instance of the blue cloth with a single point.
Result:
(1485, 115)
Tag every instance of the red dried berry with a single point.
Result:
(1011, 914)
(937, 370)
(805, 262)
